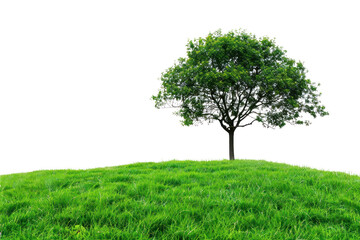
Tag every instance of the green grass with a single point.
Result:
(181, 200)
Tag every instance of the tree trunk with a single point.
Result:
(231, 145)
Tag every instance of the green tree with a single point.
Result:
(238, 79)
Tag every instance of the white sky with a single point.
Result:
(76, 78)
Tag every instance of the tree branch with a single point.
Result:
(247, 123)
(223, 126)
(226, 109)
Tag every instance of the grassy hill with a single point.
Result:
(181, 200)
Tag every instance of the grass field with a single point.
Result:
(239, 199)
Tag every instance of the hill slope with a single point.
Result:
(181, 200)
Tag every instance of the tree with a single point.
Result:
(237, 79)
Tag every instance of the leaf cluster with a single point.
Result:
(237, 79)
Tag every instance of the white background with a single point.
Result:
(76, 80)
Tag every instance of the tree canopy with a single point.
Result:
(238, 79)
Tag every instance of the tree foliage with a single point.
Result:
(238, 79)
